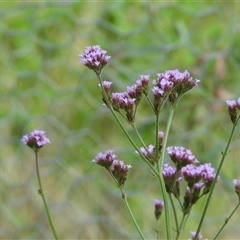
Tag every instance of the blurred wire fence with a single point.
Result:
(43, 86)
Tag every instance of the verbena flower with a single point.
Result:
(94, 58)
(117, 168)
(181, 156)
(233, 105)
(135, 92)
(171, 85)
(199, 179)
(35, 139)
(125, 102)
(119, 171)
(159, 204)
(144, 80)
(149, 153)
(105, 159)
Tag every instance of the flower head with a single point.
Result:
(171, 85)
(233, 105)
(125, 102)
(181, 156)
(149, 153)
(94, 58)
(159, 204)
(119, 171)
(35, 139)
(106, 85)
(105, 159)
(144, 80)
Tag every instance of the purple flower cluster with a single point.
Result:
(193, 174)
(172, 179)
(171, 85)
(199, 178)
(35, 139)
(94, 58)
(105, 159)
(233, 105)
(125, 102)
(117, 168)
(139, 88)
(159, 204)
(129, 99)
(149, 153)
(119, 171)
(181, 156)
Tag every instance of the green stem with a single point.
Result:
(159, 167)
(40, 191)
(140, 139)
(150, 103)
(174, 212)
(156, 138)
(226, 221)
(180, 228)
(124, 197)
(224, 154)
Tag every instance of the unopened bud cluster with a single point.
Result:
(233, 106)
(159, 205)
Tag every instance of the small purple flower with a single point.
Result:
(168, 171)
(123, 101)
(105, 159)
(106, 87)
(159, 204)
(94, 58)
(233, 105)
(149, 154)
(135, 92)
(144, 80)
(119, 171)
(192, 174)
(181, 156)
(160, 137)
(35, 139)
(236, 183)
(196, 174)
(169, 174)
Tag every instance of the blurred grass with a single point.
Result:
(44, 87)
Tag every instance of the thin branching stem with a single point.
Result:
(226, 221)
(224, 154)
(160, 177)
(41, 192)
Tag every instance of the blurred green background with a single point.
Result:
(43, 86)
